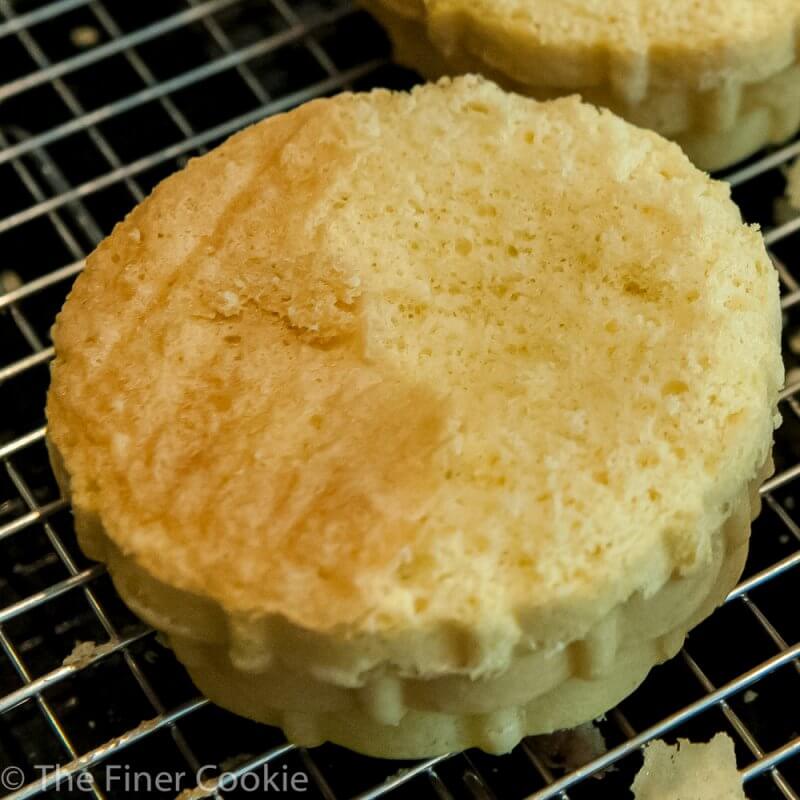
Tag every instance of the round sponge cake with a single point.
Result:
(422, 421)
(721, 77)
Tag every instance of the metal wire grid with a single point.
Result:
(192, 72)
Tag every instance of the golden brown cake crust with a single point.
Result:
(322, 506)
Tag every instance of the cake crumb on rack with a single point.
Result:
(688, 771)
(570, 749)
(84, 653)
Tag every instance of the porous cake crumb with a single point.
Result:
(687, 771)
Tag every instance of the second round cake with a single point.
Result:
(720, 77)
(422, 421)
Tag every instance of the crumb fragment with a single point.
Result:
(84, 36)
(9, 281)
(570, 749)
(85, 652)
(688, 771)
(192, 794)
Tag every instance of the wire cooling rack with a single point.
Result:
(98, 102)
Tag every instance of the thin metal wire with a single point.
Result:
(763, 165)
(25, 328)
(75, 581)
(111, 28)
(41, 354)
(742, 731)
(402, 777)
(766, 575)
(38, 15)
(622, 723)
(776, 235)
(38, 284)
(27, 179)
(81, 579)
(772, 760)
(32, 517)
(316, 773)
(33, 360)
(69, 100)
(21, 442)
(789, 300)
(62, 673)
(218, 132)
(475, 782)
(786, 277)
(741, 592)
(53, 779)
(438, 785)
(784, 516)
(159, 90)
(165, 25)
(221, 38)
(541, 767)
(311, 43)
(52, 721)
(780, 480)
(789, 390)
(768, 627)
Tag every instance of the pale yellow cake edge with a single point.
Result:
(387, 713)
